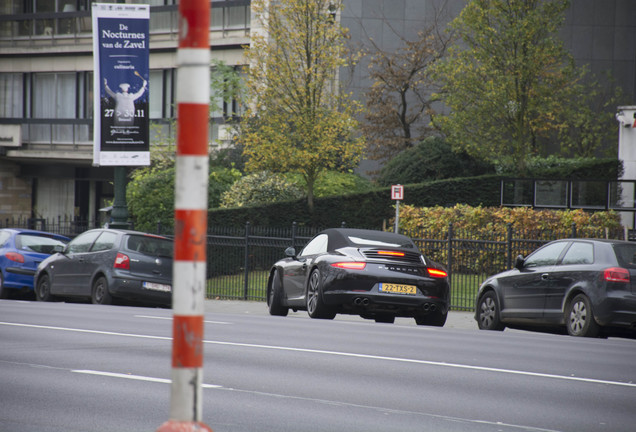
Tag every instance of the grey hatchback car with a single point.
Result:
(107, 264)
(585, 285)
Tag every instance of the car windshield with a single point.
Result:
(36, 243)
(626, 255)
(148, 245)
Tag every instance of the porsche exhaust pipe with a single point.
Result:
(360, 301)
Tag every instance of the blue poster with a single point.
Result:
(121, 117)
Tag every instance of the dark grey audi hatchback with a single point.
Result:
(106, 264)
(585, 285)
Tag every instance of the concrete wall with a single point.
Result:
(15, 193)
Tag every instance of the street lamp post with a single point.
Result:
(119, 213)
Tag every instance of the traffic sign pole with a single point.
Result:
(397, 194)
(191, 194)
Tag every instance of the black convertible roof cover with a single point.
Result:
(343, 237)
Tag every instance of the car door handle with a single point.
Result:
(545, 276)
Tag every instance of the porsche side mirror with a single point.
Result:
(290, 252)
(519, 262)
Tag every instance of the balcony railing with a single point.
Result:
(68, 27)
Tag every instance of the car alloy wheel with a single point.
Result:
(579, 318)
(488, 313)
(315, 306)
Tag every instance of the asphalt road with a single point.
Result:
(80, 367)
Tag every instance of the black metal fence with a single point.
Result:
(239, 259)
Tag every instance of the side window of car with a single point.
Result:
(104, 242)
(579, 253)
(547, 255)
(4, 236)
(82, 242)
(316, 246)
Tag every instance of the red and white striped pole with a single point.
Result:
(191, 204)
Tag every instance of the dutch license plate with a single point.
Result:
(398, 288)
(157, 287)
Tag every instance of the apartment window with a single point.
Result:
(230, 17)
(11, 95)
(54, 95)
(161, 93)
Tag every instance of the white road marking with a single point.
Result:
(134, 377)
(170, 318)
(344, 354)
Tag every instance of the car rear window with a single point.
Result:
(149, 245)
(36, 243)
(626, 255)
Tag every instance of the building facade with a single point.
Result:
(46, 101)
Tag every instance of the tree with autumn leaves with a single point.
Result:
(299, 120)
(401, 99)
(513, 91)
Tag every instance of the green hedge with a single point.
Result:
(369, 210)
(374, 208)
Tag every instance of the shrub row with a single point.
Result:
(371, 209)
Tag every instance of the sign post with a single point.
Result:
(397, 194)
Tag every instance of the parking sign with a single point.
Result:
(397, 192)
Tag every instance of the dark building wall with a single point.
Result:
(598, 33)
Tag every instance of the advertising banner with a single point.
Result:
(120, 84)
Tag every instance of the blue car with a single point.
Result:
(21, 250)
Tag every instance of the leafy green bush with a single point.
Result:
(150, 194)
(150, 198)
(490, 225)
(495, 219)
(431, 159)
(260, 188)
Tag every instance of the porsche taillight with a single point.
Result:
(348, 265)
(122, 262)
(14, 256)
(436, 273)
(616, 274)
(391, 253)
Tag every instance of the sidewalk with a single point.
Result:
(456, 319)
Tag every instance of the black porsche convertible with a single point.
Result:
(377, 275)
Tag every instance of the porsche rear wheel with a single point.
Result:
(316, 308)
(275, 295)
(436, 319)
